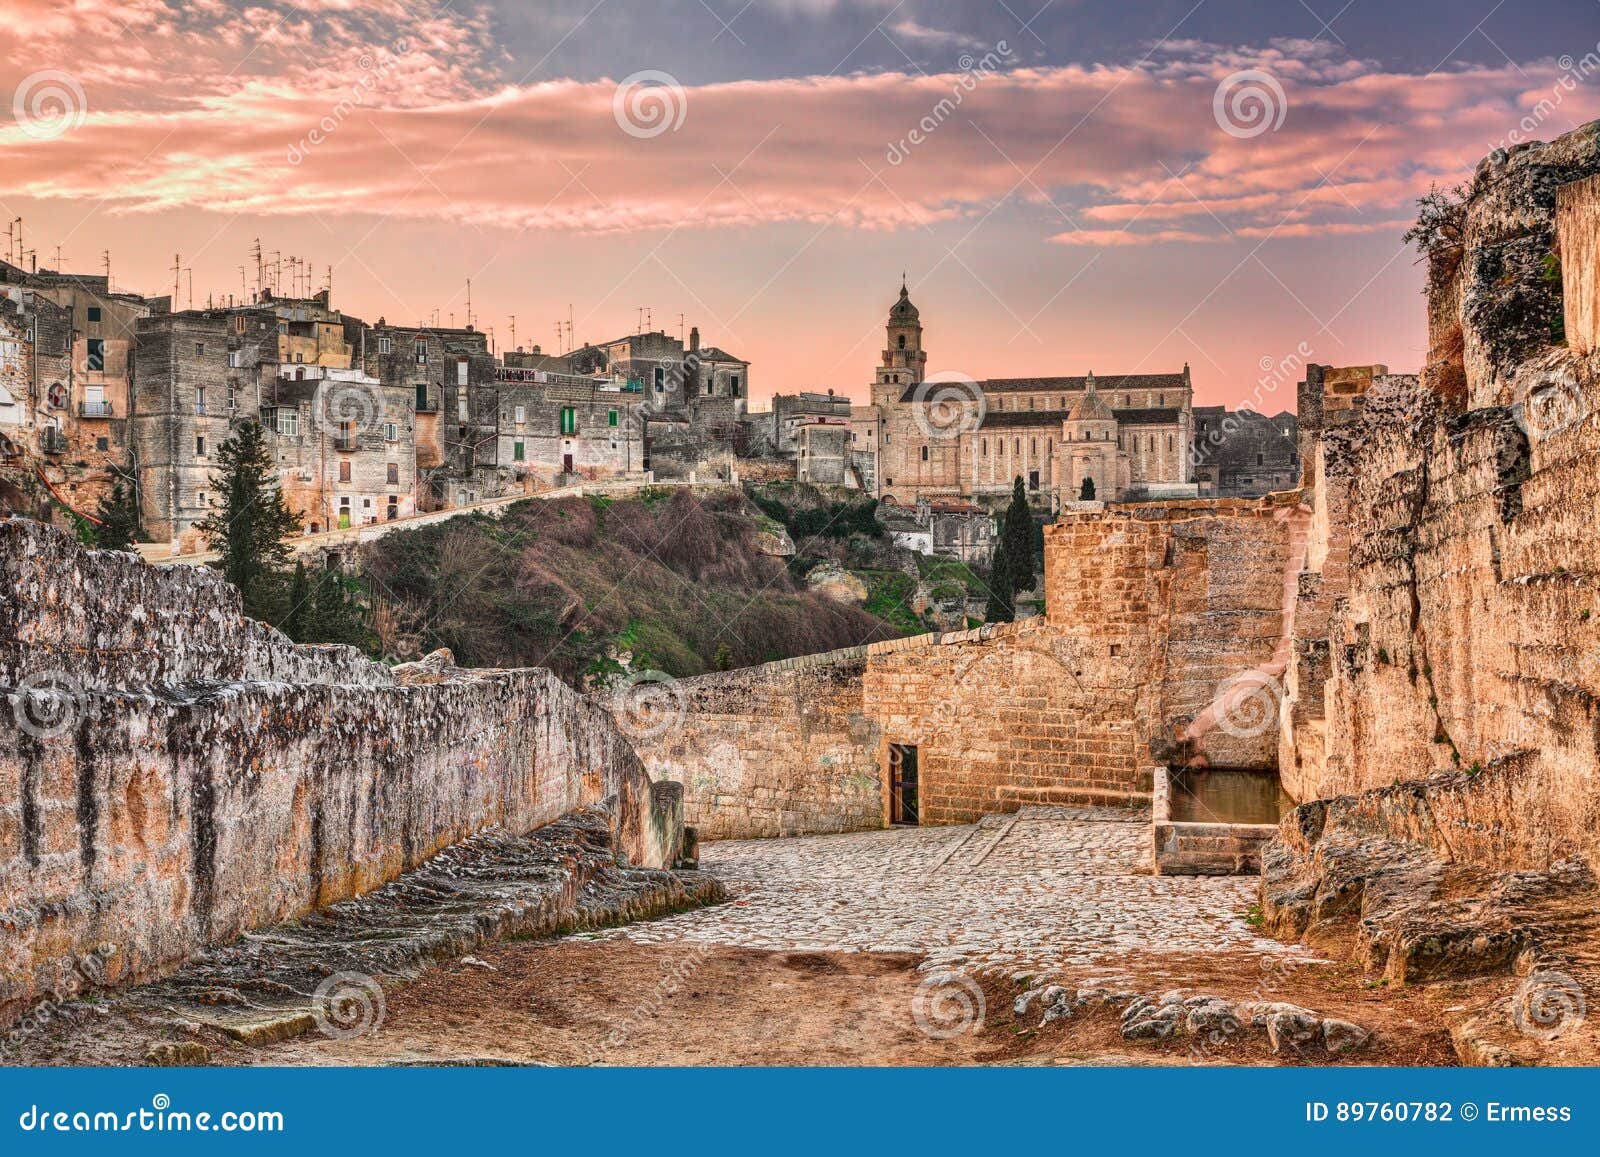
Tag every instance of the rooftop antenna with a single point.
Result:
(19, 241)
(31, 256)
(680, 329)
(244, 289)
(190, 272)
(106, 257)
(469, 303)
(255, 252)
(177, 280)
(58, 259)
(514, 332)
(10, 235)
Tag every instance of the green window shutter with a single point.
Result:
(569, 420)
(611, 418)
(516, 451)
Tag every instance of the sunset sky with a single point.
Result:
(1099, 191)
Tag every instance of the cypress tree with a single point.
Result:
(298, 614)
(118, 513)
(1001, 608)
(1018, 537)
(249, 525)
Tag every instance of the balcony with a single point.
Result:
(53, 440)
(346, 443)
(94, 409)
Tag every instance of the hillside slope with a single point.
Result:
(672, 581)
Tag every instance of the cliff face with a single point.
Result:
(1453, 702)
(173, 774)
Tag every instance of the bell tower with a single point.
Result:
(905, 362)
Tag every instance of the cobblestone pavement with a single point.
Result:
(1045, 890)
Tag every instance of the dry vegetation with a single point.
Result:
(677, 580)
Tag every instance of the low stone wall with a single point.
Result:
(173, 774)
(777, 750)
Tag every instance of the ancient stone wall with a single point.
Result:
(173, 774)
(1578, 240)
(778, 750)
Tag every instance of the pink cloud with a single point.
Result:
(401, 115)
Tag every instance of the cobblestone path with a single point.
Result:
(1044, 890)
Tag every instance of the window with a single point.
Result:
(661, 378)
(983, 447)
(394, 474)
(200, 400)
(386, 345)
(199, 349)
(569, 420)
(521, 415)
(1261, 459)
(102, 444)
(421, 348)
(201, 498)
(516, 451)
(289, 423)
(94, 313)
(1170, 442)
(238, 323)
(233, 397)
(463, 368)
(391, 432)
(97, 356)
(924, 453)
(344, 470)
(733, 386)
(461, 408)
(901, 342)
(611, 417)
(199, 446)
(299, 357)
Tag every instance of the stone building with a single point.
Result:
(951, 436)
(948, 527)
(85, 359)
(556, 428)
(344, 439)
(1243, 454)
(344, 443)
(452, 376)
(197, 372)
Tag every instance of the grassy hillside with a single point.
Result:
(678, 581)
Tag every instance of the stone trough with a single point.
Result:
(1207, 833)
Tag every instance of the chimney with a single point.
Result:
(694, 339)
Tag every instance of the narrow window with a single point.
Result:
(199, 447)
(394, 473)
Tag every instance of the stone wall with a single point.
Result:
(1578, 239)
(778, 750)
(173, 774)
(1163, 642)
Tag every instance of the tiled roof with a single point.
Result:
(1070, 384)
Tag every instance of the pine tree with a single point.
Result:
(1086, 491)
(120, 526)
(1002, 607)
(250, 525)
(1018, 536)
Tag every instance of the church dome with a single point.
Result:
(903, 310)
(1090, 407)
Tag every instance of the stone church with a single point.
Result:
(1117, 439)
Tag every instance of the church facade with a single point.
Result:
(1118, 438)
